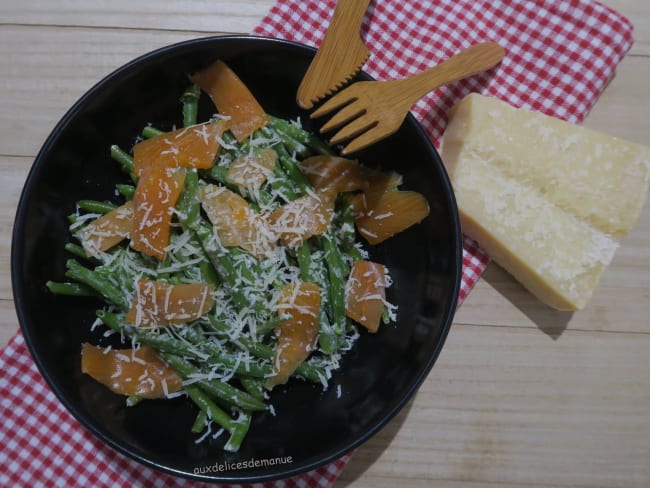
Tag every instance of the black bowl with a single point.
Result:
(311, 427)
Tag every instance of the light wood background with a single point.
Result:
(521, 396)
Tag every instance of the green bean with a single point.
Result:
(157, 341)
(133, 400)
(190, 101)
(200, 422)
(241, 426)
(96, 206)
(70, 289)
(127, 191)
(252, 369)
(207, 346)
(221, 329)
(166, 343)
(345, 223)
(237, 428)
(283, 185)
(306, 137)
(266, 327)
(291, 168)
(149, 131)
(188, 206)
(337, 273)
(221, 262)
(209, 274)
(124, 268)
(243, 293)
(162, 265)
(257, 349)
(246, 146)
(293, 145)
(303, 255)
(310, 372)
(194, 334)
(218, 173)
(327, 340)
(213, 412)
(231, 270)
(253, 386)
(124, 159)
(189, 210)
(218, 389)
(385, 315)
(232, 147)
(98, 282)
(306, 370)
(78, 251)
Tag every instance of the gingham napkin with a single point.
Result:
(561, 54)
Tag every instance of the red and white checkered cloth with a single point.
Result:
(561, 54)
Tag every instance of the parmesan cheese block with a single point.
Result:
(548, 200)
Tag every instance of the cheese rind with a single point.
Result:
(546, 199)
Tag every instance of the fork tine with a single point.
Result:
(353, 129)
(374, 134)
(337, 101)
(343, 116)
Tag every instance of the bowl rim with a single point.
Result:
(288, 470)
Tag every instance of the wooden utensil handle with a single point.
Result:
(473, 60)
(350, 12)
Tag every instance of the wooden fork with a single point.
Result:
(373, 110)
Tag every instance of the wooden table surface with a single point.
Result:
(521, 396)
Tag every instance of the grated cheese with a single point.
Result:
(277, 264)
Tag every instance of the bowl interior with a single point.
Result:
(310, 426)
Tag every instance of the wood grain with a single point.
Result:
(341, 54)
(208, 16)
(378, 108)
(521, 396)
(74, 60)
(622, 110)
(638, 12)
(476, 405)
(14, 171)
(201, 16)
